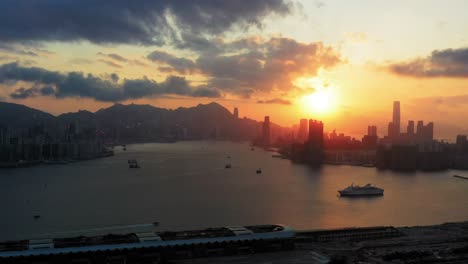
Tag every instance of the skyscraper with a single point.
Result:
(420, 128)
(390, 130)
(302, 135)
(429, 135)
(266, 131)
(410, 127)
(315, 133)
(372, 130)
(396, 118)
(236, 113)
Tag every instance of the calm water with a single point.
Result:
(185, 185)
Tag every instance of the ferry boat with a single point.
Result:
(366, 190)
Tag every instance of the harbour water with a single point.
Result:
(186, 185)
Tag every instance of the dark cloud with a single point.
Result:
(47, 90)
(250, 65)
(15, 72)
(138, 63)
(207, 92)
(23, 93)
(113, 56)
(265, 65)
(275, 101)
(441, 63)
(180, 65)
(117, 57)
(198, 43)
(147, 22)
(77, 84)
(110, 63)
(114, 77)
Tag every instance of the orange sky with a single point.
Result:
(338, 62)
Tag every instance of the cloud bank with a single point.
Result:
(250, 65)
(441, 63)
(275, 101)
(147, 22)
(77, 84)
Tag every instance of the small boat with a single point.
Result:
(37, 217)
(228, 166)
(133, 164)
(259, 171)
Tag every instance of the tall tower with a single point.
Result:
(236, 113)
(396, 118)
(390, 130)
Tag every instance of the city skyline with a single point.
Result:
(338, 62)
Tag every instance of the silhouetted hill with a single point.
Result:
(81, 115)
(135, 123)
(20, 116)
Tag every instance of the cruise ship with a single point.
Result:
(356, 190)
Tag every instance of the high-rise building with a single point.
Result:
(370, 140)
(425, 132)
(315, 133)
(372, 130)
(390, 130)
(302, 134)
(236, 113)
(410, 127)
(396, 118)
(420, 129)
(266, 131)
(429, 131)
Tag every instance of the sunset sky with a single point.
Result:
(343, 62)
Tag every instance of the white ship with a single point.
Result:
(356, 190)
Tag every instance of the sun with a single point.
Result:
(322, 100)
(318, 102)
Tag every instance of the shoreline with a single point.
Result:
(32, 163)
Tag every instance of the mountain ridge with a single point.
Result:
(135, 122)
